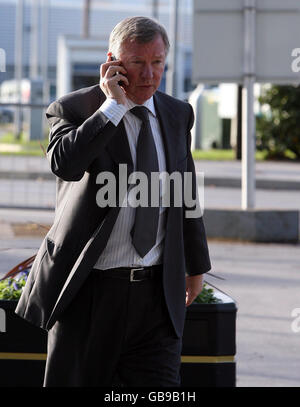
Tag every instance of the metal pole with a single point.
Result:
(18, 64)
(155, 9)
(86, 19)
(34, 40)
(172, 61)
(44, 62)
(248, 138)
(239, 123)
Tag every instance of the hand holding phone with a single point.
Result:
(113, 58)
(113, 78)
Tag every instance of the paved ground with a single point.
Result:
(264, 280)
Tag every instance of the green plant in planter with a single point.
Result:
(207, 296)
(12, 283)
(11, 287)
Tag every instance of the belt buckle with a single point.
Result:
(132, 279)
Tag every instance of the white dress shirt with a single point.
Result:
(119, 251)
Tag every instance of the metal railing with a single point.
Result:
(25, 180)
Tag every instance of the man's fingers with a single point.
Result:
(188, 301)
(194, 285)
(122, 78)
(189, 298)
(104, 67)
(113, 70)
(114, 81)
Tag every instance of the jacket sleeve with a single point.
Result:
(73, 147)
(195, 242)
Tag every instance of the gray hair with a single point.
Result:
(140, 29)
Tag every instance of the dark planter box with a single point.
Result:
(23, 349)
(207, 354)
(209, 344)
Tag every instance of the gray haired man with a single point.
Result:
(111, 284)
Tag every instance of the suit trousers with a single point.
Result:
(114, 333)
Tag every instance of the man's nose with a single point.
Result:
(147, 72)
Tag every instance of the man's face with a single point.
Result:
(144, 64)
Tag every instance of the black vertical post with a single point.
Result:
(238, 150)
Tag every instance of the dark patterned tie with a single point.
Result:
(145, 226)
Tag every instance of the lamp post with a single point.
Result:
(171, 76)
(18, 64)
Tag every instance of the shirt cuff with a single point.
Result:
(113, 111)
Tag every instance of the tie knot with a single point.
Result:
(141, 112)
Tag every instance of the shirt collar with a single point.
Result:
(149, 104)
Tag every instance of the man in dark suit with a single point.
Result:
(111, 283)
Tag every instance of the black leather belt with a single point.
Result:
(134, 274)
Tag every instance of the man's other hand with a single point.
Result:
(194, 285)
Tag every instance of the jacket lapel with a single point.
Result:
(167, 119)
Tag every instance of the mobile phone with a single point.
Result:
(113, 58)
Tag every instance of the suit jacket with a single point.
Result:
(83, 142)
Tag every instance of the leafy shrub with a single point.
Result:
(207, 296)
(278, 130)
(11, 288)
